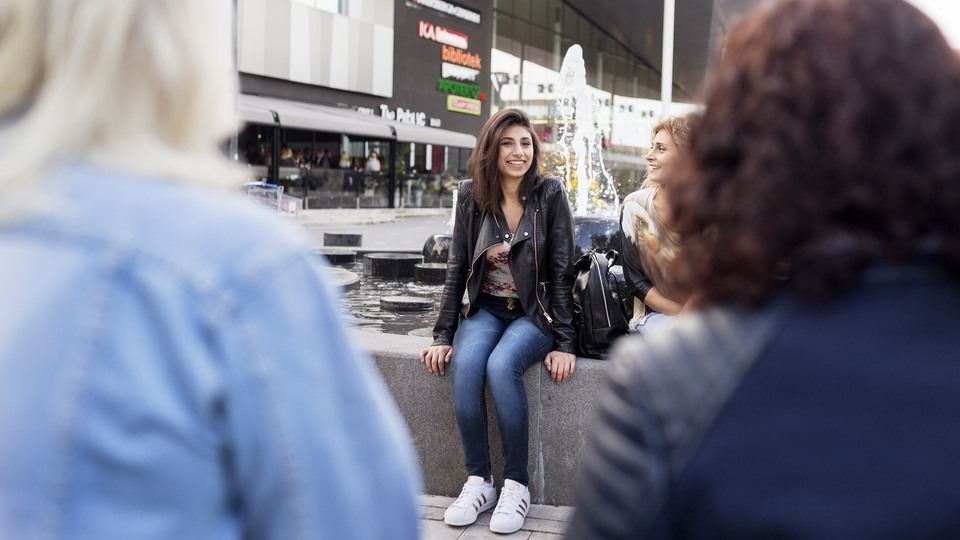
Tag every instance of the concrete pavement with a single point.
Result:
(403, 229)
(542, 523)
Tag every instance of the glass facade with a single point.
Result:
(530, 40)
(331, 170)
(312, 62)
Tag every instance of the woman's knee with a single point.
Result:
(505, 366)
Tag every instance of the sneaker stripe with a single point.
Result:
(522, 508)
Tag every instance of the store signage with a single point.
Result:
(463, 105)
(463, 58)
(442, 35)
(461, 73)
(404, 115)
(460, 89)
(448, 9)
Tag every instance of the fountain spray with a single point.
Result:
(578, 158)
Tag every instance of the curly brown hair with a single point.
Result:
(830, 140)
(482, 164)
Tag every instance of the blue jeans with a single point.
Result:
(495, 347)
(655, 323)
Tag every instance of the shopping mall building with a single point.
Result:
(326, 83)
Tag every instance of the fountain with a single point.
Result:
(578, 159)
(578, 156)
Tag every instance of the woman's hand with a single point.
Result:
(436, 357)
(561, 365)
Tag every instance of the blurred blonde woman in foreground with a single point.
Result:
(170, 363)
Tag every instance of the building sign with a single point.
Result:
(448, 9)
(406, 116)
(459, 68)
(442, 35)
(463, 58)
(461, 73)
(463, 105)
(460, 89)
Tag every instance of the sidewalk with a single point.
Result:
(382, 229)
(542, 523)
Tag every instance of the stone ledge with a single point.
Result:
(559, 416)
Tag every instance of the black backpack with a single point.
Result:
(598, 312)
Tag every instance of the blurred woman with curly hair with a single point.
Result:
(816, 392)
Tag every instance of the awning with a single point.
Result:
(296, 114)
(302, 115)
(427, 135)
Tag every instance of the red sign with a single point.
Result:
(463, 105)
(442, 35)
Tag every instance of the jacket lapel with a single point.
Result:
(489, 235)
(525, 227)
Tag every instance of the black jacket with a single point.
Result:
(638, 284)
(802, 419)
(541, 261)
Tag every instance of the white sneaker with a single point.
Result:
(512, 508)
(477, 496)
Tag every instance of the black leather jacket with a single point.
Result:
(541, 261)
(638, 284)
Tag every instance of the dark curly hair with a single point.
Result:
(830, 140)
(482, 166)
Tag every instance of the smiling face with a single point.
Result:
(662, 156)
(516, 153)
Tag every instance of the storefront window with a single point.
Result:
(326, 170)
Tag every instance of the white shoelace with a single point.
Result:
(469, 496)
(509, 502)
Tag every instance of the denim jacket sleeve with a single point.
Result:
(177, 368)
(317, 440)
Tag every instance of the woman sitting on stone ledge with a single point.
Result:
(512, 253)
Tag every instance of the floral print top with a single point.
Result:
(497, 279)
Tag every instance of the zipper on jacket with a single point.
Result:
(603, 287)
(470, 272)
(536, 264)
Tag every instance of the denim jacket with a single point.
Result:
(172, 365)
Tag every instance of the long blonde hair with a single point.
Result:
(145, 86)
